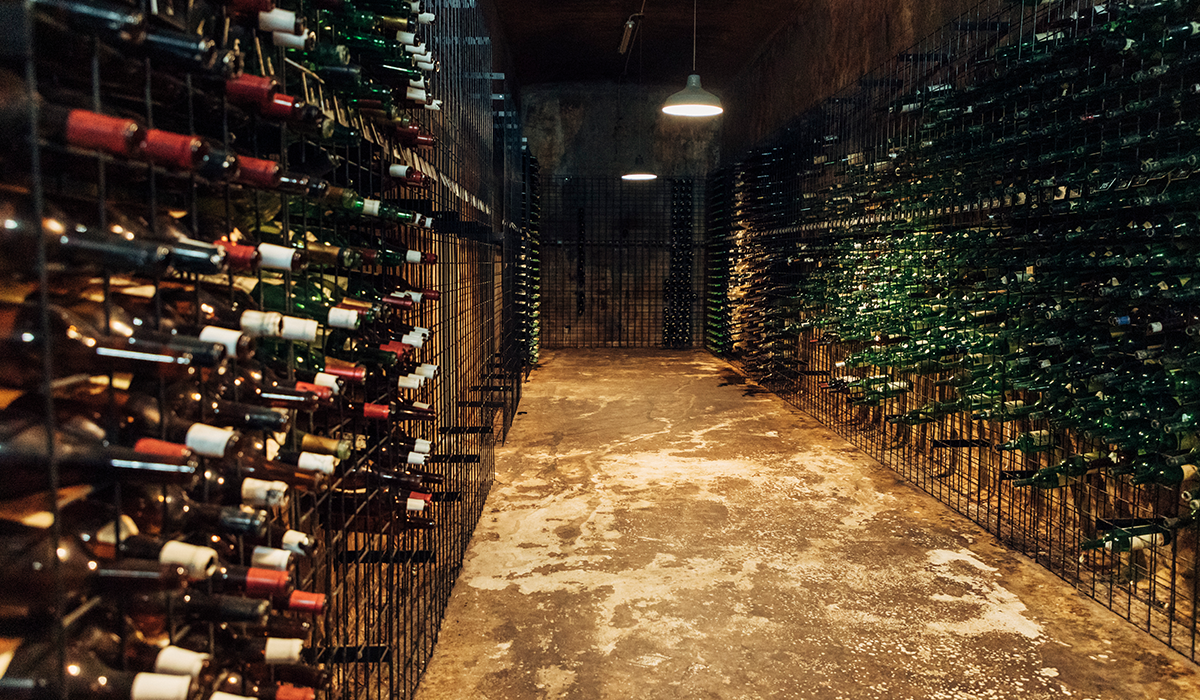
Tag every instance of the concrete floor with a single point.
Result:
(660, 529)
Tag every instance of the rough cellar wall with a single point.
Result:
(597, 129)
(825, 46)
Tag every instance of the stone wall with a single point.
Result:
(824, 46)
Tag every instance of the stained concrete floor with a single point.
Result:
(660, 529)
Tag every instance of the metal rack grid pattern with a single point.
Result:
(976, 264)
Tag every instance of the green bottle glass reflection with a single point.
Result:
(308, 301)
(1031, 442)
(1068, 471)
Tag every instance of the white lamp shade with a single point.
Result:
(693, 101)
(639, 171)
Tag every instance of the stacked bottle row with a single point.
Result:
(528, 269)
(716, 297)
(677, 291)
(978, 264)
(219, 382)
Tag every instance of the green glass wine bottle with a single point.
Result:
(307, 301)
(1031, 442)
(1133, 535)
(1068, 471)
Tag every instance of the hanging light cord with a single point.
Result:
(694, 35)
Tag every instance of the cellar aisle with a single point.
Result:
(661, 529)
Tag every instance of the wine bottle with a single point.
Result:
(158, 509)
(83, 458)
(133, 652)
(1067, 471)
(1033, 441)
(29, 575)
(72, 245)
(78, 348)
(34, 674)
(1135, 534)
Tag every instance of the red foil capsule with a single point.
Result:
(251, 90)
(397, 302)
(162, 448)
(419, 140)
(303, 601)
(377, 411)
(280, 106)
(353, 373)
(431, 294)
(323, 392)
(259, 172)
(101, 132)
(267, 582)
(397, 347)
(240, 257)
(170, 150)
(294, 692)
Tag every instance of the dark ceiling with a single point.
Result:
(576, 40)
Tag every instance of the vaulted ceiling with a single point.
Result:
(576, 40)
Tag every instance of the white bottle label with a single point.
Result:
(200, 562)
(295, 541)
(301, 329)
(263, 494)
(222, 336)
(271, 558)
(160, 686)
(328, 380)
(257, 324)
(108, 533)
(343, 318)
(276, 257)
(1039, 438)
(289, 41)
(207, 440)
(277, 20)
(283, 651)
(176, 661)
(312, 462)
(1139, 542)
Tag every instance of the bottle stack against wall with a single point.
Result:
(979, 263)
(234, 460)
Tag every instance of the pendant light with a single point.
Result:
(639, 172)
(693, 100)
